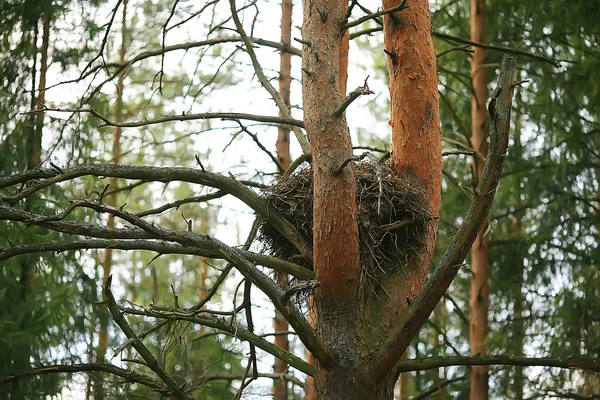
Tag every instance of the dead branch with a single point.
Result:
(273, 263)
(158, 174)
(127, 375)
(179, 117)
(581, 363)
(377, 14)
(151, 361)
(232, 328)
(264, 81)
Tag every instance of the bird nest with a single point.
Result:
(392, 218)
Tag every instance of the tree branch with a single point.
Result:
(137, 344)
(377, 14)
(232, 328)
(158, 174)
(355, 94)
(445, 36)
(581, 363)
(273, 263)
(120, 66)
(180, 117)
(443, 275)
(504, 49)
(264, 81)
(129, 376)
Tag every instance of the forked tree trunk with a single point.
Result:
(350, 325)
(479, 301)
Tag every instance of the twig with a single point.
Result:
(343, 165)
(466, 48)
(355, 94)
(377, 14)
(264, 81)
(397, 224)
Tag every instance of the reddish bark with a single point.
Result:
(479, 300)
(335, 229)
(280, 387)
(349, 323)
(416, 135)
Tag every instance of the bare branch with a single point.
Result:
(137, 344)
(232, 255)
(273, 263)
(443, 275)
(581, 363)
(171, 118)
(119, 67)
(355, 94)
(264, 81)
(445, 36)
(128, 375)
(377, 14)
(504, 49)
(159, 174)
(232, 328)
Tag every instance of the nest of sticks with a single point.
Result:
(392, 218)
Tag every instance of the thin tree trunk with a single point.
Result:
(112, 200)
(34, 140)
(479, 300)
(518, 327)
(280, 387)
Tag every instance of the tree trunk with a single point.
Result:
(479, 300)
(518, 325)
(112, 200)
(335, 226)
(280, 386)
(351, 325)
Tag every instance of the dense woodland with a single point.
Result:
(234, 199)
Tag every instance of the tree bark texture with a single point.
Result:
(479, 298)
(352, 325)
(416, 134)
(335, 229)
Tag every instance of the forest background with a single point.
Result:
(163, 79)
